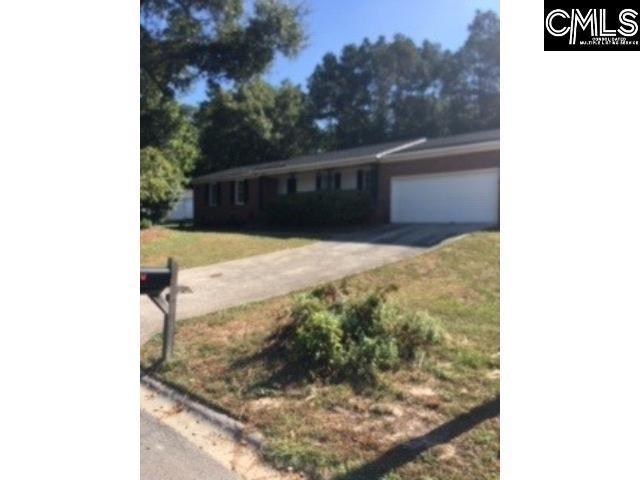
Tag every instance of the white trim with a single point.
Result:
(444, 152)
(448, 172)
(401, 147)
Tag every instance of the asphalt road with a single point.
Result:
(166, 455)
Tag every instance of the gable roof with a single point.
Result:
(351, 156)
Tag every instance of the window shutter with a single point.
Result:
(337, 180)
(360, 180)
(218, 193)
(246, 191)
(207, 189)
(374, 182)
(318, 181)
(292, 185)
(232, 192)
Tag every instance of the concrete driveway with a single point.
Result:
(166, 454)
(227, 284)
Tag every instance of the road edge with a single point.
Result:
(230, 426)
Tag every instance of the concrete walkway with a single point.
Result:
(227, 284)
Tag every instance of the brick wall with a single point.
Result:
(260, 190)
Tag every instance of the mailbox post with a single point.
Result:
(153, 281)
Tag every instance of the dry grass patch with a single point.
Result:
(232, 360)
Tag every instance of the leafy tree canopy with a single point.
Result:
(160, 184)
(254, 123)
(386, 90)
(473, 77)
(168, 126)
(183, 39)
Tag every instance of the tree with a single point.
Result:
(417, 105)
(169, 127)
(160, 184)
(394, 90)
(169, 136)
(473, 79)
(341, 98)
(378, 91)
(254, 123)
(183, 40)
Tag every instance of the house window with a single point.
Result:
(365, 180)
(241, 187)
(292, 185)
(214, 191)
(368, 180)
(337, 181)
(328, 180)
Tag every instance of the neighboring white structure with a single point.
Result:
(183, 209)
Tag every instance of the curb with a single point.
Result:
(230, 426)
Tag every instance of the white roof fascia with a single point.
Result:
(443, 152)
(401, 147)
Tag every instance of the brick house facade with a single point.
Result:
(239, 196)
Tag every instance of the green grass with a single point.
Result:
(192, 247)
(230, 360)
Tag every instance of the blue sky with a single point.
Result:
(331, 24)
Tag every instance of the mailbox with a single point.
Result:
(153, 281)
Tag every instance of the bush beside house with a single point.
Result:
(320, 209)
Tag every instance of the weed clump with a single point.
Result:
(336, 337)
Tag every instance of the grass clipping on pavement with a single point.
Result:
(338, 378)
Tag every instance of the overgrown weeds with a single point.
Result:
(338, 338)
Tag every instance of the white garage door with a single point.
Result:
(461, 197)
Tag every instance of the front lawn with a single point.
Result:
(434, 418)
(192, 247)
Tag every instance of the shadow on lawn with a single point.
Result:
(284, 374)
(408, 451)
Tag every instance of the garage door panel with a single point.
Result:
(462, 197)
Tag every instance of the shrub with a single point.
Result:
(338, 338)
(367, 357)
(415, 332)
(318, 343)
(304, 306)
(320, 208)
